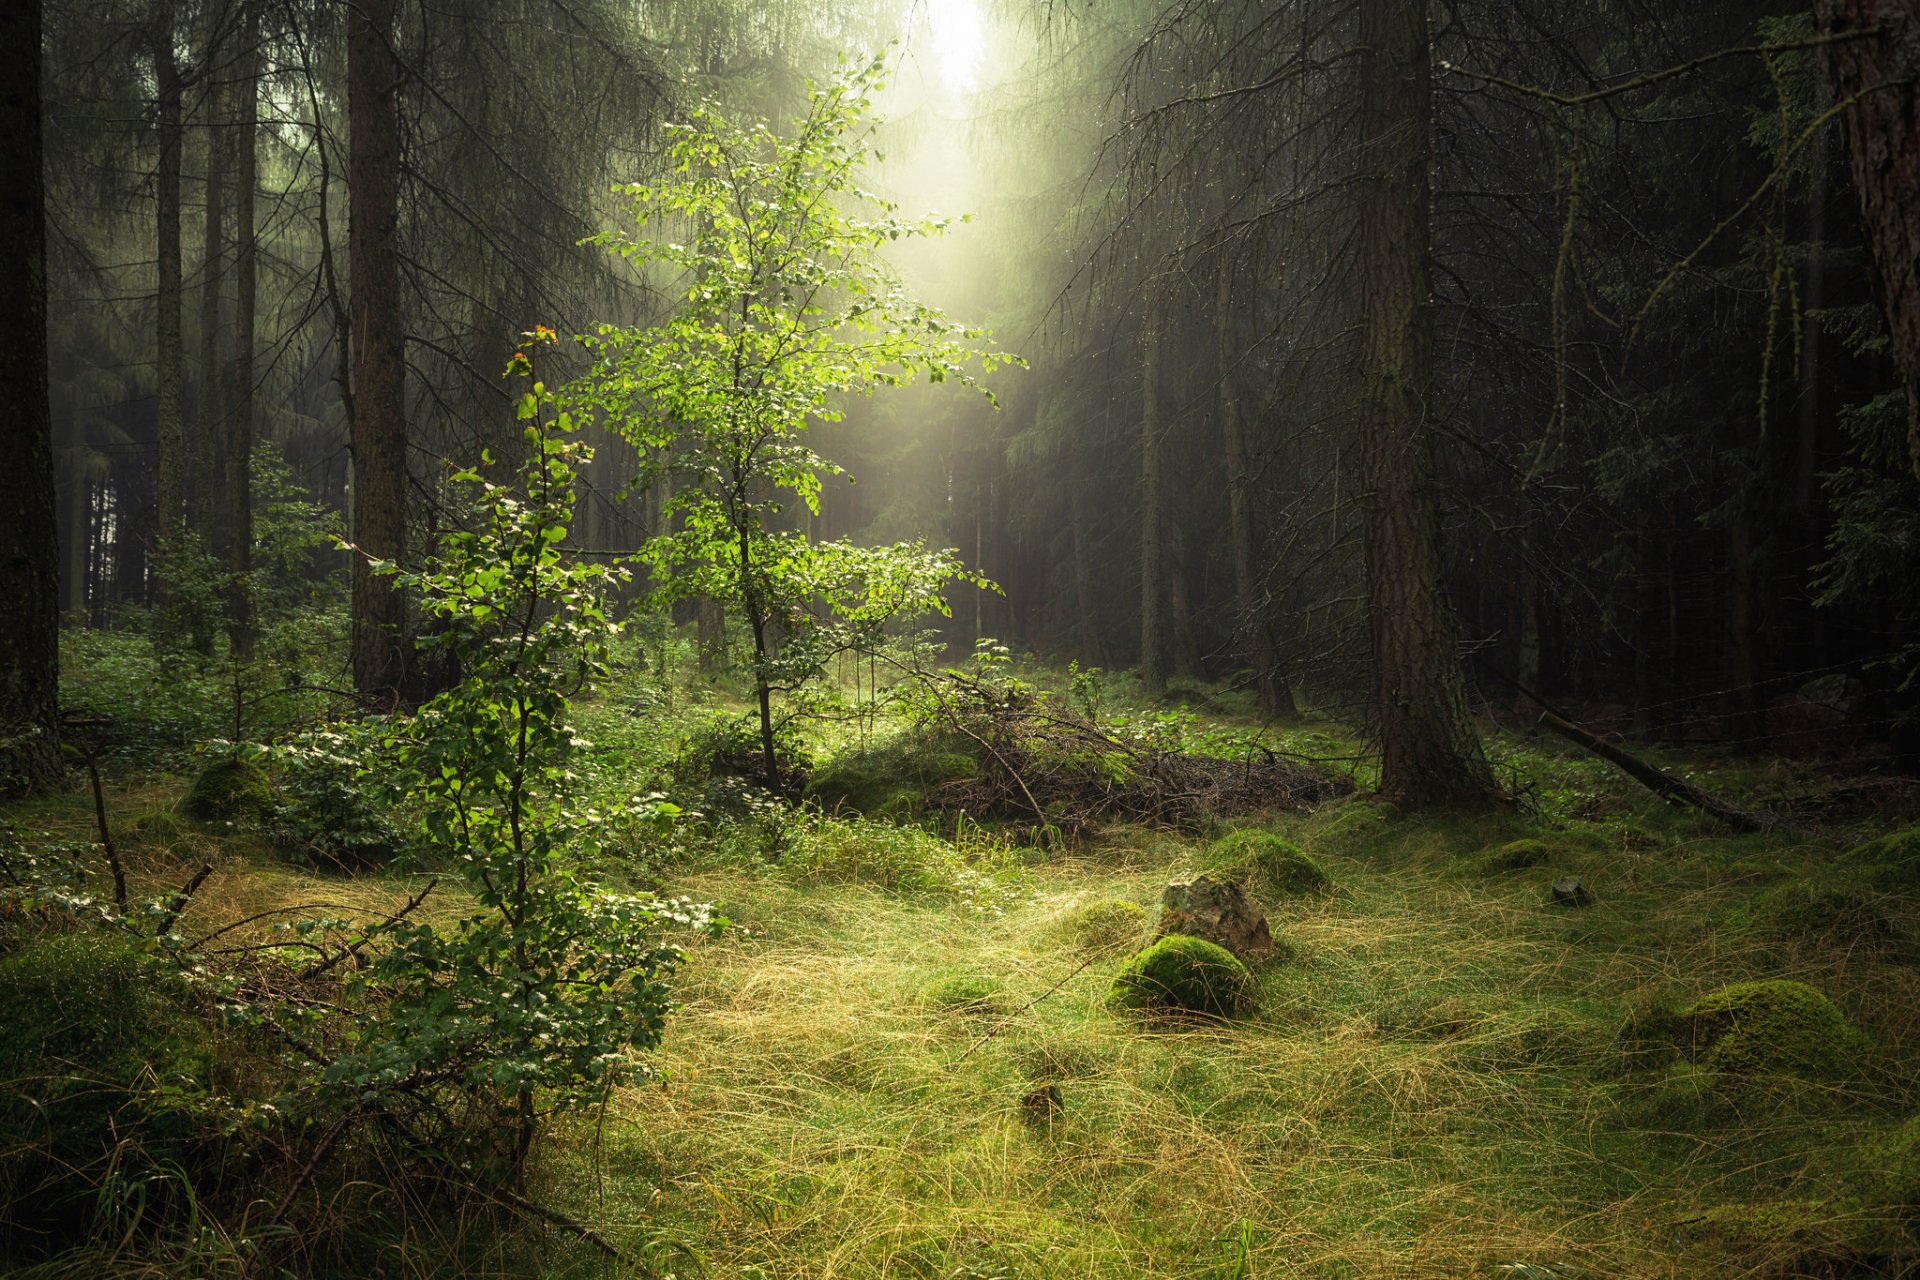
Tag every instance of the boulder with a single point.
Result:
(1571, 893)
(1181, 975)
(1217, 909)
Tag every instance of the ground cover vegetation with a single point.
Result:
(1382, 743)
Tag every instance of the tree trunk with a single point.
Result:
(1256, 626)
(240, 425)
(381, 645)
(1430, 752)
(169, 487)
(29, 539)
(1883, 141)
(209, 418)
(1153, 624)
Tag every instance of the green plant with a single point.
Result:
(535, 996)
(1274, 867)
(785, 306)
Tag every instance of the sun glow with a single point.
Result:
(959, 41)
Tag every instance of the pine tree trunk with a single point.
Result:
(1256, 626)
(169, 434)
(1883, 140)
(209, 415)
(239, 460)
(29, 539)
(381, 644)
(1430, 752)
(1153, 623)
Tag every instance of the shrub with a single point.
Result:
(1776, 1027)
(1269, 865)
(1180, 974)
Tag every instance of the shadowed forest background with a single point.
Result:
(960, 638)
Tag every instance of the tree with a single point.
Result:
(170, 510)
(786, 306)
(29, 545)
(239, 451)
(1876, 77)
(1429, 750)
(381, 643)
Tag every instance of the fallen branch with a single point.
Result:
(319, 967)
(1001, 1025)
(1663, 784)
(178, 902)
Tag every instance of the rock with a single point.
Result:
(1216, 909)
(1571, 893)
(1772, 1028)
(229, 790)
(1182, 974)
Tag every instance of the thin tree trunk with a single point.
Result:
(29, 537)
(1256, 627)
(381, 645)
(1430, 752)
(1153, 625)
(240, 425)
(1882, 72)
(209, 414)
(169, 487)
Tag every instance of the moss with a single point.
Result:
(1891, 1172)
(887, 780)
(156, 830)
(1893, 860)
(965, 993)
(1183, 974)
(1516, 855)
(1775, 1027)
(1802, 909)
(229, 790)
(1424, 1017)
(1105, 924)
(1269, 865)
(1352, 828)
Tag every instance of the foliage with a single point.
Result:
(785, 307)
(1181, 974)
(551, 980)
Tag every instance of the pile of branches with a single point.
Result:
(1042, 762)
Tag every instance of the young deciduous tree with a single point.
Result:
(785, 306)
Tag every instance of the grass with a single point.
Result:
(1443, 1081)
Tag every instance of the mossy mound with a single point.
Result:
(1272, 867)
(1796, 908)
(1891, 1172)
(229, 790)
(1356, 827)
(1771, 1028)
(158, 830)
(1180, 974)
(888, 780)
(1893, 860)
(1516, 855)
(1106, 924)
(963, 993)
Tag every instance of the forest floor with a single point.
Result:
(1447, 1074)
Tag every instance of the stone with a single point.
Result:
(1182, 975)
(1571, 893)
(1217, 909)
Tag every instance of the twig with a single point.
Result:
(319, 967)
(178, 903)
(106, 836)
(1001, 1025)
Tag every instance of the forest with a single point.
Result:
(960, 639)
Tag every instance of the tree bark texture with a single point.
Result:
(1256, 626)
(29, 540)
(1430, 752)
(1883, 141)
(239, 451)
(381, 644)
(208, 408)
(169, 433)
(1153, 591)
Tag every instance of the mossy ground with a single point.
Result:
(1446, 1080)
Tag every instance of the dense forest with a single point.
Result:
(960, 638)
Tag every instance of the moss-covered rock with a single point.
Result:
(1516, 855)
(1183, 975)
(1273, 867)
(963, 993)
(1893, 860)
(1770, 1028)
(229, 790)
(1105, 924)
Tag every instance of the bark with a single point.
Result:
(1430, 752)
(1882, 71)
(29, 540)
(239, 460)
(382, 647)
(1153, 624)
(1256, 626)
(169, 487)
(209, 415)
